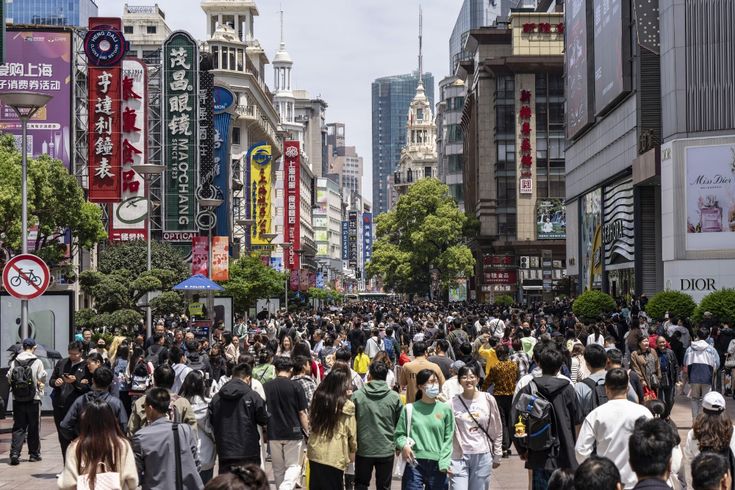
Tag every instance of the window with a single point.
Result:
(505, 87)
(454, 133)
(507, 151)
(239, 60)
(457, 192)
(215, 57)
(419, 115)
(235, 136)
(458, 103)
(128, 29)
(150, 29)
(225, 56)
(233, 54)
(454, 163)
(505, 119)
(427, 172)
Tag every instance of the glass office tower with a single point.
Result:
(50, 12)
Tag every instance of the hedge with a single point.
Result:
(676, 303)
(504, 300)
(590, 305)
(720, 303)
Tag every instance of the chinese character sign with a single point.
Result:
(345, 240)
(128, 220)
(199, 255)
(220, 258)
(292, 206)
(105, 119)
(352, 219)
(260, 192)
(180, 129)
(367, 237)
(39, 61)
(526, 150)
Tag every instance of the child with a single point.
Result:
(361, 363)
(403, 358)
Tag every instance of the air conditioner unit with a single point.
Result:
(525, 262)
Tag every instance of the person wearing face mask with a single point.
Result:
(478, 438)
(428, 448)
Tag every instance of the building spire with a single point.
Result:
(282, 42)
(421, 56)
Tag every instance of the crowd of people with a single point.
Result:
(438, 395)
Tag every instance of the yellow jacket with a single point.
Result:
(361, 364)
(491, 359)
(336, 450)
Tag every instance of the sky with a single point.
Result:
(338, 47)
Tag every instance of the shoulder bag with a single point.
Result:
(477, 423)
(730, 357)
(177, 449)
(106, 480)
(400, 464)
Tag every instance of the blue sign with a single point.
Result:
(224, 100)
(367, 237)
(221, 178)
(104, 46)
(345, 240)
(320, 280)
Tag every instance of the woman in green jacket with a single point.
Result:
(333, 439)
(427, 444)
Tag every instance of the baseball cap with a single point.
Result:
(713, 402)
(28, 343)
(457, 365)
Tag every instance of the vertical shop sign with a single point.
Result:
(292, 208)
(128, 220)
(223, 104)
(260, 198)
(345, 240)
(367, 237)
(526, 151)
(352, 218)
(220, 258)
(199, 255)
(181, 135)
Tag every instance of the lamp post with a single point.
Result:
(210, 205)
(148, 171)
(25, 105)
(286, 246)
(300, 253)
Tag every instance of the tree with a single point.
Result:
(250, 280)
(592, 304)
(720, 303)
(675, 303)
(56, 203)
(424, 233)
(132, 256)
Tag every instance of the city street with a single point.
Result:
(42, 475)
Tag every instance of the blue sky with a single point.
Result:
(339, 47)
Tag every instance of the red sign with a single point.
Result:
(220, 258)
(292, 208)
(104, 133)
(543, 28)
(26, 276)
(494, 261)
(526, 150)
(199, 255)
(500, 276)
(128, 217)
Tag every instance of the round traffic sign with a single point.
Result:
(26, 276)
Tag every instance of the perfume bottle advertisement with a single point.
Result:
(710, 197)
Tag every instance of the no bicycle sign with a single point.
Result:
(26, 276)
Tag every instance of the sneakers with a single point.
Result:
(14, 461)
(35, 457)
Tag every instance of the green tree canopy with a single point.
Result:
(424, 232)
(56, 203)
(251, 279)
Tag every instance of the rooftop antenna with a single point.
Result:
(281, 4)
(421, 57)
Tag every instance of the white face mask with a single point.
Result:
(432, 391)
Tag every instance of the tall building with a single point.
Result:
(50, 12)
(312, 113)
(391, 99)
(449, 136)
(344, 164)
(513, 127)
(472, 15)
(145, 28)
(328, 228)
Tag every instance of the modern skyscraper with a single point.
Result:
(473, 14)
(392, 98)
(50, 12)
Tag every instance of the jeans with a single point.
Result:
(26, 421)
(696, 393)
(505, 403)
(666, 395)
(206, 475)
(425, 475)
(286, 463)
(471, 472)
(59, 414)
(364, 472)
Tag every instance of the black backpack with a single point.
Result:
(539, 418)
(598, 396)
(22, 384)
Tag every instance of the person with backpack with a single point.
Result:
(374, 344)
(591, 390)
(101, 382)
(701, 362)
(548, 438)
(65, 381)
(606, 430)
(26, 378)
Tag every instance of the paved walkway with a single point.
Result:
(42, 475)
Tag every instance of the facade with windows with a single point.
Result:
(449, 137)
(391, 99)
(344, 164)
(472, 15)
(50, 12)
(145, 28)
(513, 174)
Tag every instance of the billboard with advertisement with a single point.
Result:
(458, 292)
(611, 27)
(180, 131)
(224, 101)
(220, 258)
(199, 255)
(260, 171)
(292, 207)
(710, 197)
(128, 217)
(551, 219)
(40, 61)
(578, 66)
(591, 240)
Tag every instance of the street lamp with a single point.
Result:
(300, 253)
(25, 105)
(210, 204)
(148, 171)
(286, 246)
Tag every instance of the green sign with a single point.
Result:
(180, 130)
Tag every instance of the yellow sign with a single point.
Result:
(596, 257)
(260, 193)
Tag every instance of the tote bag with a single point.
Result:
(107, 480)
(400, 464)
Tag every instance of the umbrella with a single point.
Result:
(41, 351)
(198, 282)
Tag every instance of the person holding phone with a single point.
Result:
(67, 387)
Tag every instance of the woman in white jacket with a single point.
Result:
(194, 390)
(712, 431)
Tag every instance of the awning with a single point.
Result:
(198, 282)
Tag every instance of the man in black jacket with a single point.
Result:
(101, 381)
(235, 413)
(66, 382)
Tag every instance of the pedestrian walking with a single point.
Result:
(410, 370)
(377, 410)
(478, 435)
(644, 361)
(503, 378)
(701, 362)
(165, 452)
(101, 456)
(431, 431)
(27, 379)
(650, 448)
(597, 473)
(65, 380)
(194, 391)
(101, 382)
(711, 471)
(669, 374)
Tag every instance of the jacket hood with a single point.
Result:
(551, 385)
(348, 408)
(98, 395)
(234, 389)
(376, 390)
(700, 345)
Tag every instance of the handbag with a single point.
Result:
(400, 464)
(107, 480)
(649, 394)
(730, 358)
